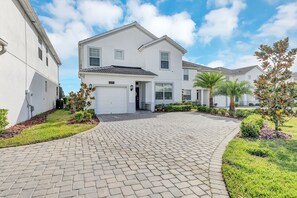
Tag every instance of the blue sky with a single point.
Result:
(215, 32)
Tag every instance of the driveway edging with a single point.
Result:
(217, 183)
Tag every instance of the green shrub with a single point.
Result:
(173, 107)
(79, 116)
(236, 104)
(204, 109)
(251, 126)
(92, 112)
(214, 111)
(83, 116)
(260, 152)
(3, 119)
(243, 113)
(222, 111)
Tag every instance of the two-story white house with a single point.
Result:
(29, 64)
(133, 69)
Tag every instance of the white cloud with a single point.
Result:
(70, 21)
(221, 22)
(245, 60)
(218, 3)
(100, 13)
(282, 23)
(216, 63)
(179, 26)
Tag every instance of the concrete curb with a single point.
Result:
(217, 184)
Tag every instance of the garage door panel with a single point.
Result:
(111, 100)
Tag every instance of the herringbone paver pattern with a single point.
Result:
(139, 155)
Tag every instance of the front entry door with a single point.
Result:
(137, 98)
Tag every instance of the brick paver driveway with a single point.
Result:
(153, 155)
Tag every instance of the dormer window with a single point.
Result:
(164, 60)
(119, 54)
(94, 56)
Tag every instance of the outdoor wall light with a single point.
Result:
(131, 87)
(90, 86)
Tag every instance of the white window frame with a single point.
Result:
(162, 83)
(186, 74)
(119, 58)
(100, 56)
(161, 60)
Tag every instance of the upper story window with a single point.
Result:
(94, 56)
(39, 47)
(46, 58)
(119, 54)
(186, 74)
(164, 60)
(164, 91)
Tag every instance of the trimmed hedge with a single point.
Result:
(173, 107)
(239, 113)
(251, 126)
(3, 119)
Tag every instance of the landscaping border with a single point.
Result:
(217, 182)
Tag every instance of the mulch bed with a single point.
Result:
(18, 128)
(268, 133)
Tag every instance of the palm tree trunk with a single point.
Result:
(232, 104)
(210, 98)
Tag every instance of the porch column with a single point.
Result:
(202, 97)
(153, 96)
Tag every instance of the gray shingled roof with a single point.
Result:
(238, 71)
(114, 69)
(224, 70)
(199, 67)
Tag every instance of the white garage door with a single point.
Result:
(111, 100)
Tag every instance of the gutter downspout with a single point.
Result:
(3, 45)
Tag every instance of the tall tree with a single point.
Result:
(273, 89)
(208, 80)
(233, 89)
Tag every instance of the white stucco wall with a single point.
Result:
(120, 80)
(20, 67)
(128, 40)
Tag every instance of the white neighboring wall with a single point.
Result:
(21, 69)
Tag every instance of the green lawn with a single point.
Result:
(248, 174)
(54, 128)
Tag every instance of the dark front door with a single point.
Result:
(137, 98)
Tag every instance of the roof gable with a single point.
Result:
(166, 38)
(108, 33)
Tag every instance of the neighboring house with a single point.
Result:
(29, 65)
(250, 74)
(133, 69)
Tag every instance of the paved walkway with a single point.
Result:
(140, 155)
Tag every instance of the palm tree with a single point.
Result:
(233, 89)
(208, 80)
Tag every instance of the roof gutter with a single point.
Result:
(3, 45)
